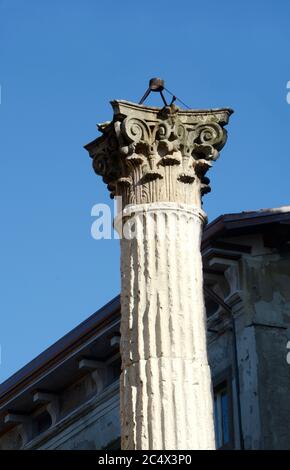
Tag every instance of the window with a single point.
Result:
(223, 419)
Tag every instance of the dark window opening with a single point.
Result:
(42, 422)
(223, 416)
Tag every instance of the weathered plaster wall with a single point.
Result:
(220, 353)
(265, 374)
(260, 288)
(248, 373)
(274, 386)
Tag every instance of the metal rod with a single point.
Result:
(147, 92)
(164, 100)
(157, 85)
(188, 107)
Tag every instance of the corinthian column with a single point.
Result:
(156, 160)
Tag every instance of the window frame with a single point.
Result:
(223, 381)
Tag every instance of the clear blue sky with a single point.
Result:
(60, 64)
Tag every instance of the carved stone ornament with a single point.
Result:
(147, 154)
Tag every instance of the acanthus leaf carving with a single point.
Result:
(148, 155)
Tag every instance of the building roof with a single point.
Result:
(246, 222)
(57, 366)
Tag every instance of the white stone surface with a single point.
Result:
(166, 399)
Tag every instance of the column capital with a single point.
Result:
(148, 154)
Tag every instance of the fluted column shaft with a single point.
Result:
(166, 400)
